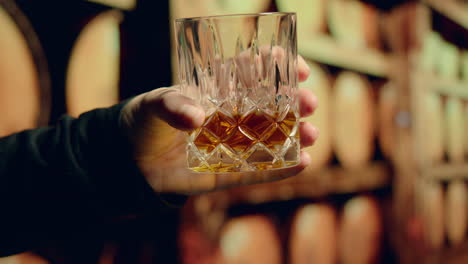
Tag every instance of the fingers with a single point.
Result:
(309, 134)
(174, 108)
(303, 69)
(308, 102)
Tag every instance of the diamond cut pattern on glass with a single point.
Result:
(291, 153)
(260, 154)
(251, 141)
(219, 126)
(256, 123)
(203, 142)
(246, 82)
(239, 142)
(289, 123)
(276, 139)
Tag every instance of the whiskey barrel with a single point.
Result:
(433, 214)
(94, 66)
(448, 62)
(195, 246)
(465, 127)
(464, 66)
(249, 240)
(361, 231)
(353, 23)
(430, 52)
(190, 8)
(456, 212)
(454, 130)
(387, 110)
(433, 119)
(24, 258)
(354, 121)
(313, 235)
(24, 76)
(310, 15)
(223, 7)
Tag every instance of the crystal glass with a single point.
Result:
(242, 70)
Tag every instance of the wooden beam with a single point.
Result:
(309, 184)
(445, 86)
(447, 171)
(325, 49)
(456, 12)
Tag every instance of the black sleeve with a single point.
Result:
(67, 177)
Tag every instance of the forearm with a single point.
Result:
(79, 171)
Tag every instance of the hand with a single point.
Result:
(156, 121)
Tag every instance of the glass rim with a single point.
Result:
(187, 19)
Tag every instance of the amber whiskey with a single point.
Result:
(255, 138)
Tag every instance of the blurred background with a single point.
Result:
(388, 179)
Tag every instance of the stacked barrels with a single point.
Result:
(442, 214)
(354, 110)
(327, 231)
(356, 120)
(441, 203)
(24, 79)
(68, 62)
(446, 115)
(92, 78)
(24, 85)
(93, 71)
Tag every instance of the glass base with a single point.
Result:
(260, 166)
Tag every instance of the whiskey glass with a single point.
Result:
(242, 69)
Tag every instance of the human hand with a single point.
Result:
(156, 121)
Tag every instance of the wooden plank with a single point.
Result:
(443, 86)
(337, 180)
(329, 181)
(209, 209)
(447, 87)
(447, 171)
(452, 10)
(324, 49)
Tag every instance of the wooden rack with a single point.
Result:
(326, 50)
(442, 86)
(446, 172)
(414, 84)
(451, 9)
(329, 181)
(422, 82)
(210, 209)
(447, 87)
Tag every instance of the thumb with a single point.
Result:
(169, 105)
